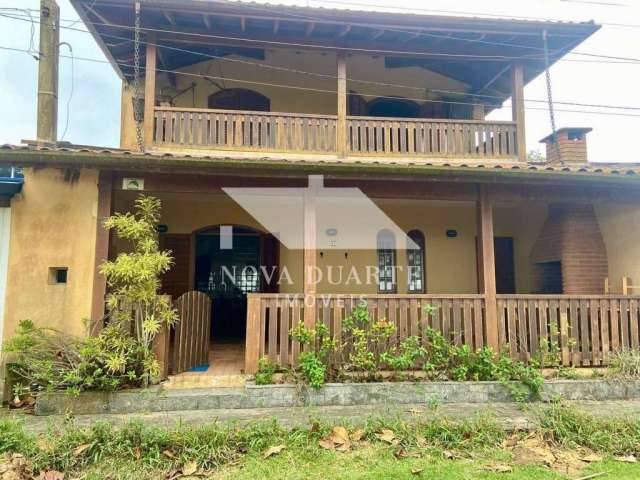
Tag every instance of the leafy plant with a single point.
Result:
(134, 278)
(313, 369)
(626, 363)
(266, 369)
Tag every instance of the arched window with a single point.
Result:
(415, 262)
(239, 99)
(393, 107)
(386, 243)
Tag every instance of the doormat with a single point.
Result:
(200, 368)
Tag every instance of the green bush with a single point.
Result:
(45, 359)
(266, 369)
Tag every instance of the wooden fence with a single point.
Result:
(270, 317)
(230, 129)
(464, 138)
(581, 330)
(190, 346)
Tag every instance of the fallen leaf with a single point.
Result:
(448, 454)
(169, 453)
(591, 458)
(339, 435)
(344, 447)
(51, 475)
(512, 441)
(416, 470)
(80, 448)
(327, 444)
(386, 436)
(189, 468)
(421, 441)
(357, 435)
(137, 452)
(415, 411)
(402, 453)
(274, 450)
(498, 468)
(627, 459)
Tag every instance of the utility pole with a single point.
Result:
(48, 71)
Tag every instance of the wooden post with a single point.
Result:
(105, 189)
(47, 125)
(626, 285)
(341, 126)
(161, 351)
(252, 342)
(517, 108)
(487, 265)
(149, 90)
(310, 248)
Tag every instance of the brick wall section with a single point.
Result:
(572, 146)
(571, 235)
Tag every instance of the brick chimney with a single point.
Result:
(572, 145)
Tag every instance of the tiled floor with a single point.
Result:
(226, 366)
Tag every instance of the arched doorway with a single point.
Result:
(230, 261)
(239, 99)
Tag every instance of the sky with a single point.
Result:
(94, 113)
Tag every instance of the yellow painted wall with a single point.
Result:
(53, 225)
(620, 227)
(302, 101)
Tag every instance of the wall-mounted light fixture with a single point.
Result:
(451, 233)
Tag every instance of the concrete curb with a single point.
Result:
(159, 399)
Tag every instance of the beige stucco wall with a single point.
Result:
(620, 227)
(53, 225)
(450, 262)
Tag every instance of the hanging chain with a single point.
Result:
(552, 116)
(137, 94)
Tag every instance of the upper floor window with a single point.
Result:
(415, 262)
(239, 99)
(386, 244)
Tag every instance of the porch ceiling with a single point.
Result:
(451, 46)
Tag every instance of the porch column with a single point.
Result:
(486, 265)
(517, 108)
(149, 90)
(105, 189)
(341, 126)
(310, 248)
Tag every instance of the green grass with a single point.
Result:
(139, 452)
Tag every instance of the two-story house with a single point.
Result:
(307, 158)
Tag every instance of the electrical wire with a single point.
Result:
(68, 112)
(332, 92)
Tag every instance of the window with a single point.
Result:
(58, 275)
(386, 244)
(239, 99)
(415, 262)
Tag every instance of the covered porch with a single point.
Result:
(504, 265)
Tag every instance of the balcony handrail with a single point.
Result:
(244, 112)
(430, 120)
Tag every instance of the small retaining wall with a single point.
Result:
(158, 399)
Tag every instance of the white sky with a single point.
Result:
(95, 106)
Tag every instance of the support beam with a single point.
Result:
(517, 108)
(487, 265)
(310, 248)
(47, 129)
(149, 90)
(105, 189)
(341, 126)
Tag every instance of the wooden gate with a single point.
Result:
(190, 347)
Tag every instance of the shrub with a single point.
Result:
(626, 363)
(45, 359)
(266, 369)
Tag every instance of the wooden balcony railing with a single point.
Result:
(228, 129)
(306, 133)
(461, 138)
(579, 330)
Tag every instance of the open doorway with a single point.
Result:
(228, 261)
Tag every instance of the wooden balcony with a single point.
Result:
(584, 330)
(318, 134)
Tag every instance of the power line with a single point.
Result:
(326, 91)
(618, 60)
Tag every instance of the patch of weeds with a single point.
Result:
(266, 369)
(625, 363)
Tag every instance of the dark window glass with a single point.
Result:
(386, 243)
(415, 262)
